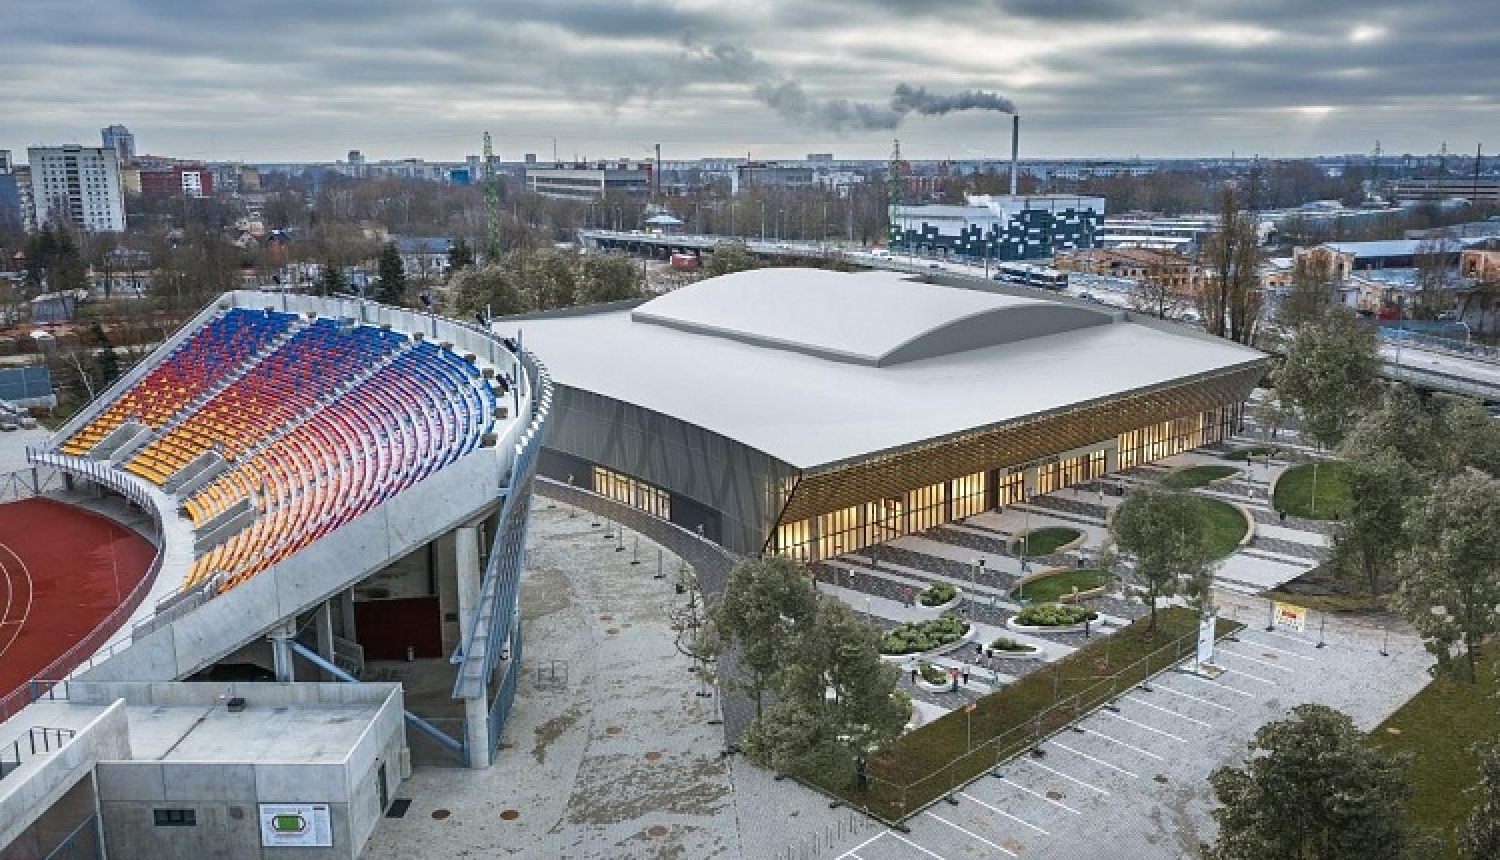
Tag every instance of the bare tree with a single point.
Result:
(1229, 294)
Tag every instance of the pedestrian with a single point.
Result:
(1086, 623)
(966, 674)
(1282, 514)
(906, 595)
(995, 676)
(953, 680)
(911, 666)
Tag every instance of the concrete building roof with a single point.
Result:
(809, 368)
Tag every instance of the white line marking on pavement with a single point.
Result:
(1013, 784)
(920, 848)
(1294, 654)
(1169, 711)
(1096, 760)
(1219, 685)
(1122, 743)
(1089, 786)
(1158, 686)
(1256, 678)
(998, 811)
(850, 852)
(1177, 738)
(1281, 636)
(1269, 665)
(972, 835)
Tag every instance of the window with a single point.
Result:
(175, 817)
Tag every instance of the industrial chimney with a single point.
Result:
(1015, 151)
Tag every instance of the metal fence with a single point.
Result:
(27, 483)
(38, 740)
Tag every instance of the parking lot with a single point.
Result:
(1131, 780)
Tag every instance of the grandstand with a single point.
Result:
(291, 451)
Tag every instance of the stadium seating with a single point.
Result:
(319, 421)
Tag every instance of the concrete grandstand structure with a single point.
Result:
(810, 413)
(327, 479)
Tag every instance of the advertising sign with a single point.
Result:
(1206, 626)
(1289, 615)
(295, 825)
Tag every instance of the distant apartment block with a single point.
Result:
(1025, 227)
(119, 138)
(77, 185)
(1475, 190)
(590, 183)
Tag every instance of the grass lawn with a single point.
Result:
(1048, 589)
(927, 762)
(1294, 491)
(1045, 541)
(1226, 525)
(1196, 476)
(1438, 726)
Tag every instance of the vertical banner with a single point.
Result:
(1289, 615)
(1206, 626)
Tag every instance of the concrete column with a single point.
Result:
(323, 629)
(281, 652)
(346, 613)
(467, 578)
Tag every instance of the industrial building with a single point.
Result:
(810, 413)
(1002, 228)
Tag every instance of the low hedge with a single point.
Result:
(934, 674)
(915, 637)
(937, 594)
(1009, 645)
(1054, 615)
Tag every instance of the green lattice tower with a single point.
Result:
(894, 182)
(491, 204)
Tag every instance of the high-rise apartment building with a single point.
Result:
(77, 185)
(119, 138)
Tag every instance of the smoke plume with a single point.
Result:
(908, 98)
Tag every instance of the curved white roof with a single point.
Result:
(878, 318)
(793, 370)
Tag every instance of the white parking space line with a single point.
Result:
(1202, 701)
(1073, 779)
(1238, 656)
(1123, 719)
(924, 850)
(1281, 636)
(1256, 678)
(1147, 753)
(1219, 685)
(972, 835)
(998, 811)
(850, 855)
(1057, 803)
(1099, 761)
(1256, 644)
(1145, 704)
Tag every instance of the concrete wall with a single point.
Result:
(357, 550)
(42, 781)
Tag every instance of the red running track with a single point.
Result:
(62, 571)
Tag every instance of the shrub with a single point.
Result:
(1054, 615)
(937, 594)
(1011, 645)
(914, 637)
(933, 674)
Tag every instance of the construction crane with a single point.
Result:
(895, 238)
(491, 204)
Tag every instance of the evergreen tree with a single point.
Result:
(460, 256)
(331, 281)
(391, 289)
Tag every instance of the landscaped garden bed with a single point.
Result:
(1062, 585)
(1198, 476)
(1007, 647)
(1051, 618)
(934, 679)
(1262, 451)
(925, 638)
(939, 597)
(1047, 541)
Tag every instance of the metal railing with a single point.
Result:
(28, 483)
(39, 740)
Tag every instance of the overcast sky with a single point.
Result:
(313, 79)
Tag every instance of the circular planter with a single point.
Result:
(1010, 624)
(935, 611)
(1034, 654)
(961, 641)
(1064, 598)
(1067, 547)
(924, 684)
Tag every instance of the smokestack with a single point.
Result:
(1015, 151)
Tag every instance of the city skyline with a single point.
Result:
(1096, 78)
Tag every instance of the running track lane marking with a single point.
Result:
(1010, 782)
(972, 835)
(1177, 738)
(1268, 664)
(1193, 697)
(1122, 743)
(1294, 654)
(924, 850)
(1169, 712)
(1074, 779)
(1095, 760)
(30, 597)
(850, 852)
(997, 810)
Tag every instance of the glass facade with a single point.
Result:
(638, 494)
(1181, 434)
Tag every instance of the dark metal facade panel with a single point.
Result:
(892, 474)
(747, 487)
